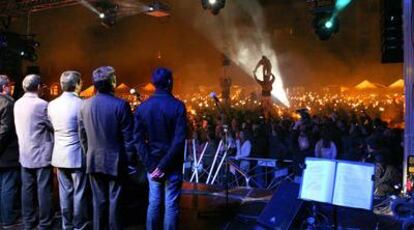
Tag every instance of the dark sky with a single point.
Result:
(73, 38)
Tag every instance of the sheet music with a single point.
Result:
(318, 180)
(354, 185)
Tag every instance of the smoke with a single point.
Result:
(239, 32)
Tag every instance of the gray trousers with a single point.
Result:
(40, 179)
(106, 192)
(73, 196)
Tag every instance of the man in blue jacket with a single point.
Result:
(160, 132)
(105, 126)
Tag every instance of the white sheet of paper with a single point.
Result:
(354, 185)
(318, 180)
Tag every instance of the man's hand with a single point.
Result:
(157, 174)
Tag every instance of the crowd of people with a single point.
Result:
(352, 135)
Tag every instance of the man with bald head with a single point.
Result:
(35, 138)
(105, 124)
(68, 157)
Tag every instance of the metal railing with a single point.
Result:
(234, 172)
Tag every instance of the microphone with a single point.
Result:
(213, 95)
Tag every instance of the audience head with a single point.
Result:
(104, 79)
(4, 85)
(162, 79)
(32, 83)
(374, 143)
(70, 81)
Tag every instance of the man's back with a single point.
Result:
(33, 131)
(9, 153)
(63, 113)
(107, 122)
(161, 122)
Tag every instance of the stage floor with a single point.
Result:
(206, 208)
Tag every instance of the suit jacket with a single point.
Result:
(160, 132)
(34, 131)
(106, 126)
(63, 112)
(9, 149)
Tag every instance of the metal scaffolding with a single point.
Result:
(22, 7)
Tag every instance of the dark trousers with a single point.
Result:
(8, 193)
(40, 178)
(73, 198)
(106, 192)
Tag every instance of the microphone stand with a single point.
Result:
(226, 148)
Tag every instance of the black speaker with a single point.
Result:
(392, 40)
(281, 210)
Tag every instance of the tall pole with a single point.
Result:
(409, 83)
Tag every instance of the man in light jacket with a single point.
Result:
(68, 157)
(35, 138)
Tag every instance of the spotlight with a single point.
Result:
(328, 24)
(21, 46)
(341, 4)
(213, 5)
(325, 25)
(158, 9)
(108, 13)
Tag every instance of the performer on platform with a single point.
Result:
(106, 126)
(160, 131)
(68, 157)
(267, 66)
(35, 138)
(266, 84)
(9, 157)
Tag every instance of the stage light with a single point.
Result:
(23, 46)
(341, 4)
(325, 25)
(158, 9)
(212, 2)
(213, 5)
(328, 24)
(108, 13)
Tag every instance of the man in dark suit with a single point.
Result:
(160, 132)
(106, 126)
(9, 156)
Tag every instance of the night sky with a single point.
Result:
(73, 38)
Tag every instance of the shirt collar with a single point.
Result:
(30, 94)
(162, 92)
(70, 94)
